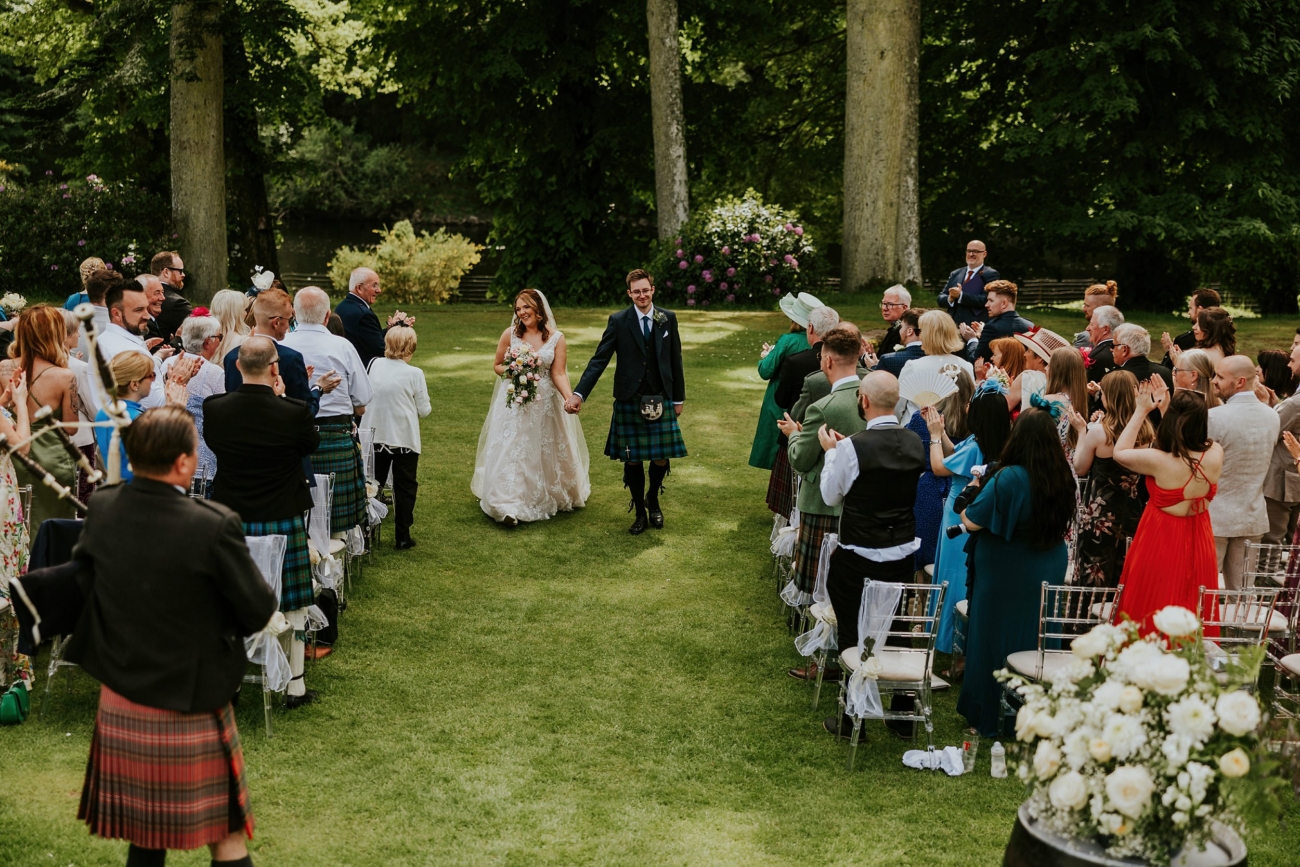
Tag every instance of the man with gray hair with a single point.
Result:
(796, 367)
(1101, 331)
(360, 324)
(895, 302)
(1132, 344)
(201, 338)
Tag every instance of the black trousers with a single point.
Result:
(404, 463)
(848, 574)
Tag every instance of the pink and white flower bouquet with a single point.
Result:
(522, 375)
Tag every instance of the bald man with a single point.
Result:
(963, 295)
(1247, 429)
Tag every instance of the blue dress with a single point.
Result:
(930, 493)
(950, 558)
(104, 437)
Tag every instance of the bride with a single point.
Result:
(532, 459)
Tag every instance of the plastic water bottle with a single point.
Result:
(969, 748)
(998, 760)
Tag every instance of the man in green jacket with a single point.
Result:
(839, 412)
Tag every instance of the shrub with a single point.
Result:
(411, 268)
(47, 227)
(739, 251)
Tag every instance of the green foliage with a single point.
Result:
(412, 268)
(738, 251)
(47, 228)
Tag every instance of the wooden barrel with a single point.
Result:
(1032, 845)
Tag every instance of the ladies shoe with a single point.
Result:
(404, 545)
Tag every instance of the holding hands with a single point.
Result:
(400, 318)
(574, 404)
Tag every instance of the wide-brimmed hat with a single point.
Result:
(1042, 342)
(797, 307)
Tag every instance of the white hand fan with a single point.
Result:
(926, 387)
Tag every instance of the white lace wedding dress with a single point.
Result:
(532, 460)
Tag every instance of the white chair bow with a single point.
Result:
(879, 605)
(263, 648)
(822, 634)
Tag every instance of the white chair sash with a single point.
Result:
(318, 523)
(879, 605)
(822, 634)
(263, 648)
(376, 511)
(268, 554)
(356, 541)
(794, 597)
(366, 437)
(328, 571)
(783, 541)
(830, 542)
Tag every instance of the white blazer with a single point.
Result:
(400, 400)
(1248, 431)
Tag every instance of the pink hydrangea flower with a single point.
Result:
(690, 302)
(708, 276)
(681, 255)
(683, 265)
(726, 251)
(722, 287)
(690, 290)
(698, 258)
(731, 297)
(789, 227)
(731, 272)
(767, 278)
(798, 230)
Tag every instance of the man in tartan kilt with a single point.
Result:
(262, 436)
(647, 378)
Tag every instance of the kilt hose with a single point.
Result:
(164, 779)
(295, 576)
(338, 453)
(632, 438)
(808, 547)
(780, 485)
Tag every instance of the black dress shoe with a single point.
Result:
(845, 724)
(405, 545)
(656, 519)
(639, 525)
(293, 702)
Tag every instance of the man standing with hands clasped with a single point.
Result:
(963, 295)
(648, 377)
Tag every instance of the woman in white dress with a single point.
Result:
(532, 459)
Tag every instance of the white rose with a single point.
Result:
(1107, 695)
(1130, 699)
(873, 668)
(1175, 749)
(1238, 713)
(1176, 621)
(1129, 789)
(1047, 760)
(1124, 734)
(1133, 658)
(1192, 718)
(1167, 675)
(1044, 725)
(1099, 750)
(1068, 791)
(1092, 643)
(1025, 723)
(1235, 763)
(523, 380)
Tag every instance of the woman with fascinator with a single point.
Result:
(532, 459)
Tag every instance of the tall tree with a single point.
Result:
(881, 184)
(672, 204)
(198, 159)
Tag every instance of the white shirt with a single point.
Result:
(209, 380)
(84, 435)
(101, 322)
(839, 472)
(326, 352)
(401, 399)
(115, 340)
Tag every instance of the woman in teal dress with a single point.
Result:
(763, 452)
(1019, 520)
(989, 422)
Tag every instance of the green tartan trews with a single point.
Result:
(295, 580)
(338, 453)
(632, 438)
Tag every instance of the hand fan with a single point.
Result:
(926, 387)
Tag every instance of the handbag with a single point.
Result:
(14, 705)
(652, 406)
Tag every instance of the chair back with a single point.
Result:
(268, 553)
(199, 484)
(318, 519)
(366, 437)
(1067, 611)
(1241, 617)
(1270, 565)
(25, 499)
(916, 619)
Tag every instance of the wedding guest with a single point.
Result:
(1039, 344)
(1110, 516)
(1199, 299)
(83, 437)
(15, 667)
(1003, 321)
(87, 267)
(335, 325)
(133, 372)
(1096, 295)
(799, 365)
(1216, 333)
(1008, 355)
(1274, 380)
(1132, 344)
(942, 346)
(909, 334)
(895, 300)
(128, 312)
(989, 422)
(201, 337)
(816, 385)
(229, 307)
(1247, 430)
(360, 324)
(400, 400)
(97, 286)
(176, 308)
(260, 439)
(766, 450)
(1172, 554)
(1020, 518)
(839, 412)
(1281, 484)
(338, 452)
(162, 631)
(1067, 388)
(155, 294)
(1101, 331)
(1195, 372)
(932, 489)
(963, 295)
(272, 311)
(872, 477)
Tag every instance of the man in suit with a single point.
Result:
(1282, 484)
(1132, 343)
(170, 270)
(260, 438)
(797, 366)
(1004, 321)
(816, 385)
(170, 594)
(896, 301)
(272, 313)
(1198, 300)
(909, 334)
(872, 477)
(1248, 430)
(838, 411)
(1101, 331)
(648, 376)
(360, 324)
(963, 295)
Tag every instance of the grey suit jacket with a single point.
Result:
(1282, 483)
(839, 412)
(815, 387)
(1248, 432)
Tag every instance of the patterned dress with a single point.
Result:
(1107, 521)
(13, 562)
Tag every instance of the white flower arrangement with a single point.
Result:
(521, 375)
(12, 303)
(1137, 745)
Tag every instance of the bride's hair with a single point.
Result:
(533, 299)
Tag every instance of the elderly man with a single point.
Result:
(963, 295)
(892, 306)
(795, 367)
(154, 295)
(128, 314)
(1198, 300)
(1101, 331)
(260, 439)
(1004, 321)
(201, 338)
(170, 271)
(338, 452)
(1132, 344)
(1248, 431)
(360, 324)
(1282, 484)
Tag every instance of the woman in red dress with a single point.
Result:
(1172, 554)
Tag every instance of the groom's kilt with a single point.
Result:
(632, 438)
(339, 454)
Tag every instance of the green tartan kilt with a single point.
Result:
(339, 454)
(295, 580)
(632, 438)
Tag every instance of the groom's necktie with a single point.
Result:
(645, 328)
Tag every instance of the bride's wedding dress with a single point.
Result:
(532, 460)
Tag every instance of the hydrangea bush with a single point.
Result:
(412, 268)
(1136, 744)
(738, 252)
(49, 226)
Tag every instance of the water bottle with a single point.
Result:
(969, 748)
(998, 761)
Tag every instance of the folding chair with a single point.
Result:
(262, 649)
(201, 482)
(1276, 566)
(318, 531)
(1243, 618)
(25, 498)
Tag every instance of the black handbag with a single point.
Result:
(652, 406)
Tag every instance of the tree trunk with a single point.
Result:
(672, 204)
(881, 243)
(198, 160)
(251, 223)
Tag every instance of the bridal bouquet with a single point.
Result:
(12, 303)
(522, 376)
(1136, 744)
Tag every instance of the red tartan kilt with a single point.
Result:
(780, 485)
(164, 779)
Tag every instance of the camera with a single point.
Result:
(966, 497)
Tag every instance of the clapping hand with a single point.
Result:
(1265, 394)
(767, 347)
(1175, 353)
(1288, 439)
(788, 426)
(176, 392)
(1078, 422)
(1159, 392)
(869, 360)
(328, 381)
(1094, 388)
(400, 317)
(954, 293)
(1145, 400)
(933, 421)
(16, 388)
(828, 438)
(183, 369)
(1167, 342)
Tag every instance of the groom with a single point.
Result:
(648, 377)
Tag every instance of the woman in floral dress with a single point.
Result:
(13, 527)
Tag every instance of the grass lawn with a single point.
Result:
(563, 693)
